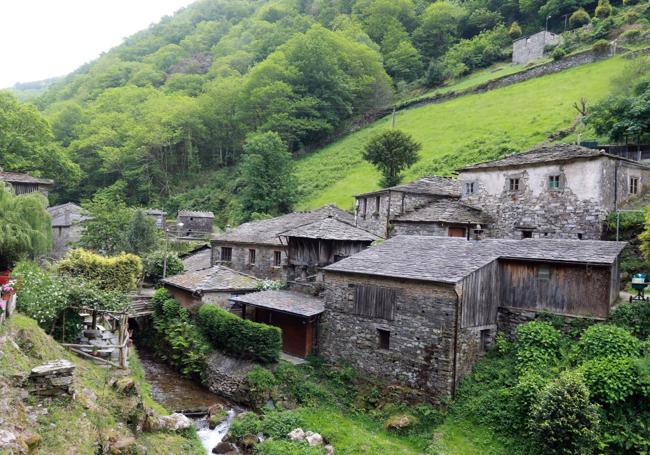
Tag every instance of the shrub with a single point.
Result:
(515, 31)
(601, 46)
(579, 18)
(240, 337)
(277, 424)
(478, 52)
(564, 422)
(117, 273)
(604, 340)
(604, 9)
(154, 265)
(610, 379)
(245, 423)
(287, 448)
(176, 339)
(558, 53)
(643, 375)
(630, 36)
(634, 317)
(436, 73)
(630, 17)
(260, 382)
(42, 296)
(524, 396)
(538, 345)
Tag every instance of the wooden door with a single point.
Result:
(456, 231)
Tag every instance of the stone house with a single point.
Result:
(158, 216)
(420, 310)
(67, 227)
(215, 285)
(556, 191)
(375, 211)
(296, 313)
(195, 224)
(256, 248)
(25, 183)
(532, 47)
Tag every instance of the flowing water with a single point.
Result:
(177, 393)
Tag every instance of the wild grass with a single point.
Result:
(458, 132)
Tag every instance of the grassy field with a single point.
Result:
(457, 132)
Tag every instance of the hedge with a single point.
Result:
(240, 337)
(117, 273)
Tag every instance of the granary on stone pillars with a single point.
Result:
(420, 310)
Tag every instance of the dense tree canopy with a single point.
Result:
(391, 152)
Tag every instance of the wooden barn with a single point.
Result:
(25, 183)
(422, 309)
(321, 243)
(296, 313)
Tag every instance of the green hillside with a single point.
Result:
(463, 130)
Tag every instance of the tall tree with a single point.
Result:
(266, 176)
(391, 152)
(104, 232)
(142, 234)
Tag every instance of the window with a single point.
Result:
(226, 253)
(374, 302)
(251, 257)
(526, 234)
(377, 203)
(579, 235)
(277, 258)
(554, 182)
(364, 204)
(485, 340)
(634, 185)
(469, 188)
(383, 337)
(543, 274)
(514, 184)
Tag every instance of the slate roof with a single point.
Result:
(544, 154)
(449, 260)
(445, 211)
(195, 214)
(284, 301)
(266, 232)
(155, 212)
(58, 214)
(432, 184)
(217, 278)
(197, 259)
(330, 228)
(15, 177)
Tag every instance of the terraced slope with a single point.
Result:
(464, 130)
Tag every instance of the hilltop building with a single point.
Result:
(533, 47)
(158, 216)
(25, 183)
(195, 224)
(67, 226)
(422, 309)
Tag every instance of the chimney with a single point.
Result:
(477, 233)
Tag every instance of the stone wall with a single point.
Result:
(226, 376)
(420, 354)
(264, 256)
(63, 237)
(508, 319)
(531, 48)
(52, 379)
(195, 226)
(420, 228)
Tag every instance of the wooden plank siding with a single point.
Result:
(318, 253)
(581, 290)
(480, 296)
(375, 302)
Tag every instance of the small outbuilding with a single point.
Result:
(25, 183)
(295, 313)
(67, 227)
(215, 285)
(158, 216)
(195, 224)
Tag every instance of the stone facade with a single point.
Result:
(509, 319)
(195, 224)
(53, 379)
(531, 48)
(402, 228)
(226, 376)
(421, 344)
(265, 258)
(588, 190)
(373, 212)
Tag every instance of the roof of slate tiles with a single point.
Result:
(446, 211)
(284, 301)
(331, 229)
(216, 278)
(431, 185)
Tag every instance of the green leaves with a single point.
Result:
(607, 341)
(538, 346)
(392, 151)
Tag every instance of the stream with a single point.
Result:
(175, 392)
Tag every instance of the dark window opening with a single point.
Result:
(554, 182)
(277, 258)
(339, 257)
(526, 234)
(383, 339)
(484, 340)
(402, 207)
(365, 207)
(514, 184)
(634, 185)
(543, 273)
(469, 188)
(226, 254)
(251, 257)
(579, 235)
(377, 202)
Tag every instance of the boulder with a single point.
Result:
(174, 422)
(313, 439)
(126, 386)
(225, 448)
(216, 408)
(7, 439)
(122, 445)
(329, 450)
(249, 440)
(399, 422)
(296, 435)
(216, 419)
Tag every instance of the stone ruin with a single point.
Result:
(52, 379)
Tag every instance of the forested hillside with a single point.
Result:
(163, 119)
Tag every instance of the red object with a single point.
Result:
(5, 276)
